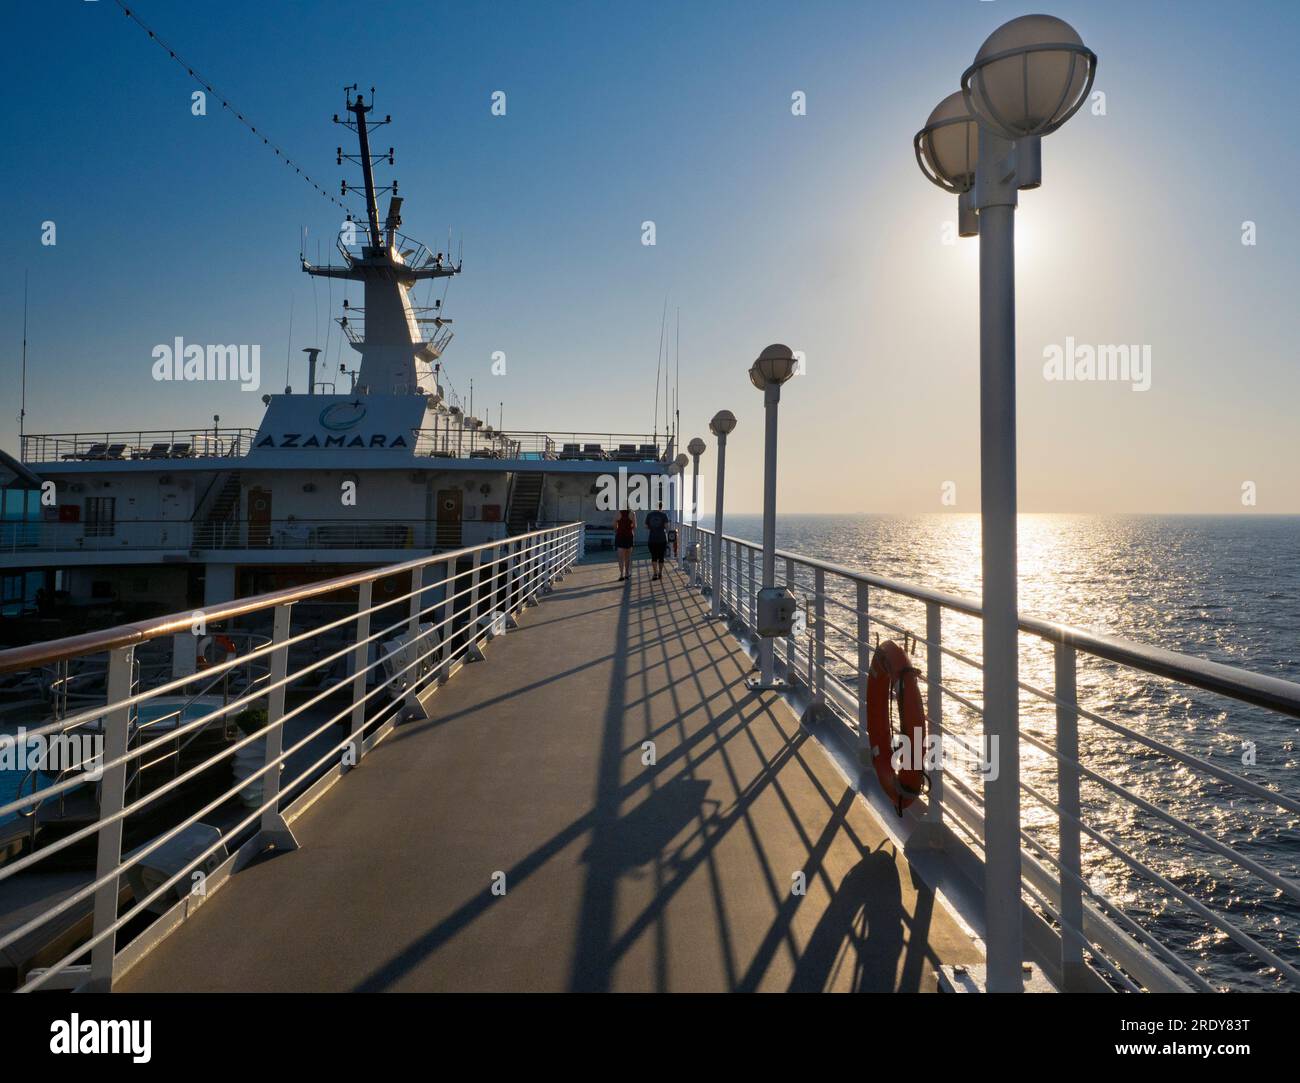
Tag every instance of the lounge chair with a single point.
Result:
(593, 451)
(115, 451)
(158, 451)
(95, 451)
(180, 451)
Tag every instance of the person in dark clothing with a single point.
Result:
(624, 535)
(657, 525)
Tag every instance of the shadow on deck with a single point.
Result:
(619, 874)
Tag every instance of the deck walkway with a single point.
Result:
(619, 875)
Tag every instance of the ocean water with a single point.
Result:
(1223, 588)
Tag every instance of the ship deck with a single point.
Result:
(618, 875)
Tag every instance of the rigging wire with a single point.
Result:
(225, 104)
(659, 361)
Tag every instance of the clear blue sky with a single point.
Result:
(815, 230)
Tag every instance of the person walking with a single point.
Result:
(657, 525)
(624, 536)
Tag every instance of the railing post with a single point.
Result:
(934, 705)
(275, 832)
(112, 799)
(1067, 793)
(360, 657)
(817, 666)
(791, 643)
(512, 582)
(473, 652)
(544, 574)
(445, 621)
(750, 618)
(864, 670)
(533, 572)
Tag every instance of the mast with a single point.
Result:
(22, 408)
(390, 333)
(359, 109)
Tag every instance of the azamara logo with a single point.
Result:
(120, 1036)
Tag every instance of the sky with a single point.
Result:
(815, 230)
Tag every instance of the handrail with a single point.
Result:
(1091, 936)
(133, 634)
(1273, 693)
(428, 632)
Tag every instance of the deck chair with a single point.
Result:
(95, 451)
(180, 451)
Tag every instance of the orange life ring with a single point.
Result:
(225, 649)
(894, 678)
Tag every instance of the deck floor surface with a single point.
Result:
(619, 875)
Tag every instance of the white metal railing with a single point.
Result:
(436, 614)
(1087, 933)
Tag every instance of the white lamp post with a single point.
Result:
(1028, 78)
(679, 506)
(723, 423)
(690, 545)
(774, 366)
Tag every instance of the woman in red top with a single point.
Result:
(624, 535)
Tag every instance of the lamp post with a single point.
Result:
(679, 468)
(690, 547)
(983, 144)
(723, 423)
(774, 366)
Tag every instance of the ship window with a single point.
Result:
(101, 516)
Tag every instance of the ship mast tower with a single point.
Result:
(391, 334)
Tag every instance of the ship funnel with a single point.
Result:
(312, 353)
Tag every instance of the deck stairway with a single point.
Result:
(214, 518)
(525, 501)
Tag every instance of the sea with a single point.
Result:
(1225, 588)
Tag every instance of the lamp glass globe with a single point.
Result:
(1029, 77)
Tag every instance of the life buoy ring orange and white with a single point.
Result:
(213, 650)
(893, 679)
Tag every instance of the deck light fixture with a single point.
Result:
(775, 608)
(984, 144)
(947, 150)
(774, 366)
(722, 425)
(1030, 76)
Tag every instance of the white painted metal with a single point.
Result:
(112, 789)
(1067, 796)
(715, 607)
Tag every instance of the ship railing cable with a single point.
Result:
(444, 617)
(1125, 948)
